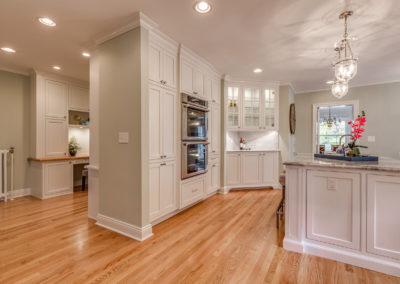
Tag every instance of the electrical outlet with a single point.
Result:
(123, 137)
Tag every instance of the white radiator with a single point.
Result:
(4, 154)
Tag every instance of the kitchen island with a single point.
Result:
(345, 211)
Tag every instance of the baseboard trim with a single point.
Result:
(137, 233)
(292, 245)
(19, 193)
(223, 190)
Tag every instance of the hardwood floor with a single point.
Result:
(225, 239)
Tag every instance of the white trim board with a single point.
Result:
(137, 233)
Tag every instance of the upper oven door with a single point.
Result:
(194, 123)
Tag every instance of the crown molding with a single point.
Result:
(231, 79)
(59, 77)
(19, 71)
(138, 20)
(183, 50)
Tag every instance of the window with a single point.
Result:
(332, 122)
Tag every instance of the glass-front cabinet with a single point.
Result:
(252, 107)
(233, 108)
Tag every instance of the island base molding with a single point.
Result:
(347, 214)
(137, 233)
(364, 261)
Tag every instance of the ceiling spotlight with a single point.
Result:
(257, 70)
(8, 49)
(202, 7)
(47, 22)
(86, 54)
(56, 67)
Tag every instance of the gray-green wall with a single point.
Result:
(122, 102)
(14, 122)
(380, 102)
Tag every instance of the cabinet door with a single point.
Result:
(215, 177)
(207, 88)
(168, 122)
(56, 99)
(215, 129)
(233, 108)
(269, 169)
(383, 215)
(162, 189)
(333, 208)
(155, 63)
(56, 137)
(216, 90)
(78, 98)
(169, 69)
(251, 108)
(155, 144)
(58, 178)
(233, 169)
(269, 109)
(187, 71)
(198, 83)
(251, 168)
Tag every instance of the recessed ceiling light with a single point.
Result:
(8, 49)
(202, 7)
(86, 54)
(47, 22)
(56, 67)
(257, 70)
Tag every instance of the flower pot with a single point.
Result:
(72, 153)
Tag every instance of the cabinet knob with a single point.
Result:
(65, 154)
(65, 117)
(194, 190)
(163, 164)
(195, 93)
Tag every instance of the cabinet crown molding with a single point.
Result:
(138, 20)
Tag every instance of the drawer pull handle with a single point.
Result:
(163, 164)
(194, 190)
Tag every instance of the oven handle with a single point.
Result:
(195, 143)
(185, 105)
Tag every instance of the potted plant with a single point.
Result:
(73, 146)
(358, 128)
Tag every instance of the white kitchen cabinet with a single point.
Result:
(162, 65)
(187, 76)
(50, 179)
(251, 168)
(270, 168)
(383, 215)
(56, 138)
(213, 178)
(207, 89)
(162, 123)
(198, 85)
(192, 190)
(334, 208)
(214, 129)
(56, 99)
(78, 98)
(233, 168)
(252, 107)
(216, 90)
(162, 189)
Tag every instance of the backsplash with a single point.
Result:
(254, 140)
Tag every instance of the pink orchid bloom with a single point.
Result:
(359, 136)
(350, 122)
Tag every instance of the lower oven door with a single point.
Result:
(194, 158)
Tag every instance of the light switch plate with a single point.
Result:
(371, 138)
(123, 137)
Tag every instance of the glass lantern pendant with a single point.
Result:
(339, 89)
(345, 65)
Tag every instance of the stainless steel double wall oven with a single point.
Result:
(194, 136)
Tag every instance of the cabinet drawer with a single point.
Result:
(192, 191)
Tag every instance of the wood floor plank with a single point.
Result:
(225, 239)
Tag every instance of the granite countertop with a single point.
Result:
(384, 163)
(252, 150)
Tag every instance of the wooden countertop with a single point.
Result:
(58, 159)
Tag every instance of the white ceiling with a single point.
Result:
(291, 40)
